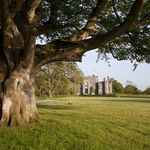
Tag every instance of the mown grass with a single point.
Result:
(85, 123)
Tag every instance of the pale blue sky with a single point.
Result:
(120, 70)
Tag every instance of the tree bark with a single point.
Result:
(18, 105)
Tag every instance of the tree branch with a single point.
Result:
(28, 10)
(16, 6)
(95, 14)
(49, 26)
(144, 19)
(115, 11)
(27, 15)
(90, 25)
(26, 26)
(73, 51)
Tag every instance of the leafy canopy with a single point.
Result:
(70, 28)
(132, 44)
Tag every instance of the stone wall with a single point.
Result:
(91, 86)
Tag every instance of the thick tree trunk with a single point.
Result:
(17, 48)
(18, 105)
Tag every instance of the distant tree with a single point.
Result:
(130, 89)
(56, 79)
(117, 87)
(147, 91)
(130, 83)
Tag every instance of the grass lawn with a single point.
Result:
(88, 123)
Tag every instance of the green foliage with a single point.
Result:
(117, 87)
(58, 78)
(67, 12)
(130, 89)
(147, 91)
(132, 45)
(90, 123)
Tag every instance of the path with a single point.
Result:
(47, 100)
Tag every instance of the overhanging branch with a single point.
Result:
(49, 26)
(73, 51)
(90, 25)
(144, 19)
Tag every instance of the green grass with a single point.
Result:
(135, 95)
(89, 123)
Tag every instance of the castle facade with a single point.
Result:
(91, 86)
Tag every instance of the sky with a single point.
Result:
(122, 71)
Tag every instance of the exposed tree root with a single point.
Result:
(18, 105)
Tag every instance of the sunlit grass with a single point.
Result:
(85, 123)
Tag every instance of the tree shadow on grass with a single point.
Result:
(61, 107)
(132, 101)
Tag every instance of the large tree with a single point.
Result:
(58, 78)
(70, 28)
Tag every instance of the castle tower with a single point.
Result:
(91, 86)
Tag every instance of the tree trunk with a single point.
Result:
(17, 47)
(18, 105)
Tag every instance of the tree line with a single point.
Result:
(63, 78)
(129, 89)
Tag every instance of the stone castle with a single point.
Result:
(91, 86)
